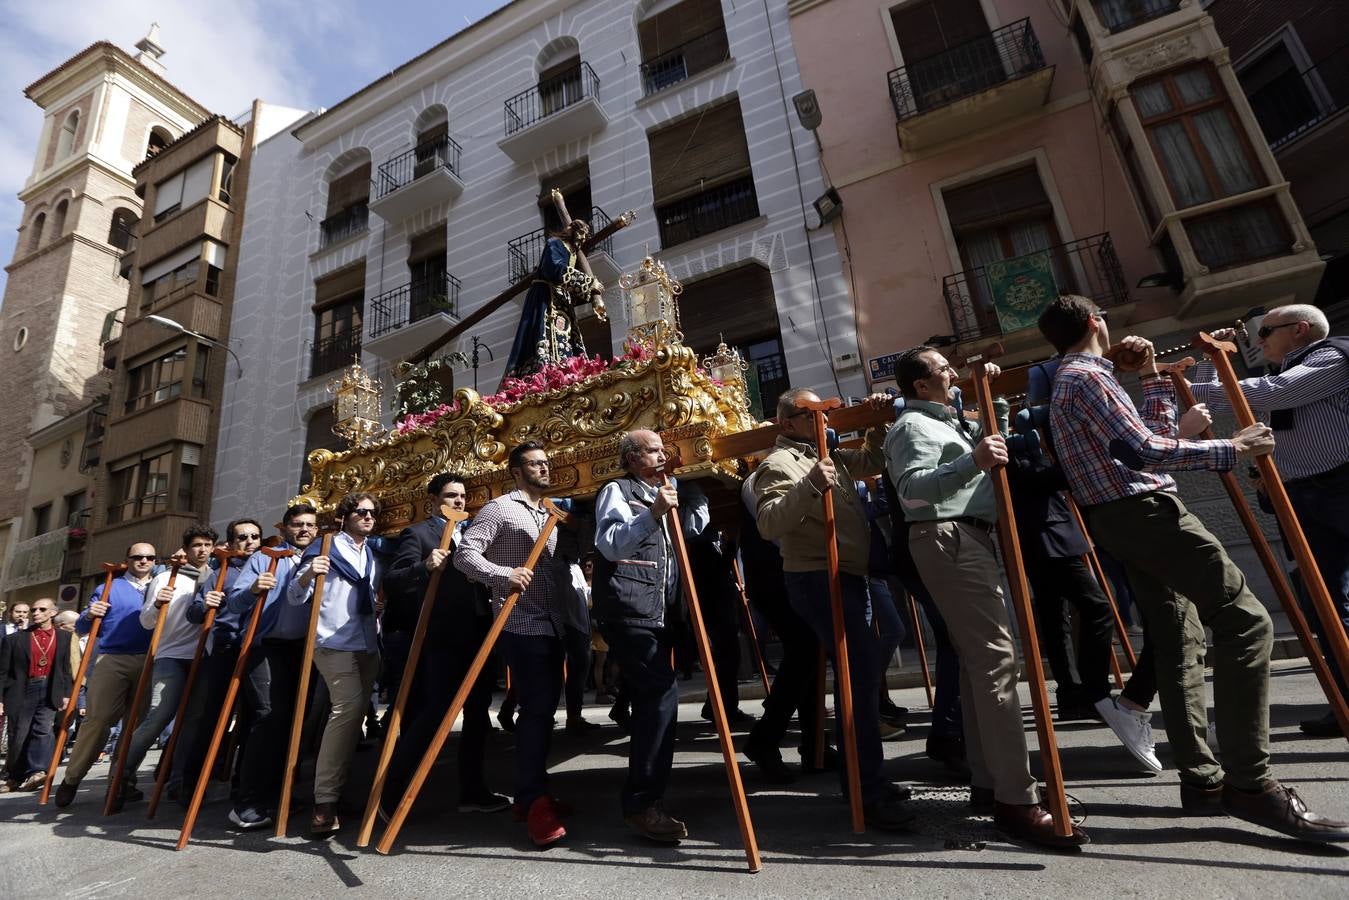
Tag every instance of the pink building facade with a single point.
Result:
(987, 154)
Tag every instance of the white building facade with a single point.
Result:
(375, 226)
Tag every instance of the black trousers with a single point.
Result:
(643, 656)
(578, 670)
(795, 687)
(271, 680)
(536, 675)
(1061, 585)
(199, 721)
(444, 663)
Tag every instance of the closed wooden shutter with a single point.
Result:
(737, 306)
(428, 243)
(349, 190)
(339, 284)
(568, 65)
(678, 25)
(927, 29)
(995, 198)
(433, 134)
(700, 152)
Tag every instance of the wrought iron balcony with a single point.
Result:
(1121, 15)
(685, 61)
(1007, 296)
(523, 252)
(707, 211)
(1005, 55)
(405, 168)
(1296, 102)
(346, 223)
(412, 302)
(332, 353)
(551, 96)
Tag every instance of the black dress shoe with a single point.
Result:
(1280, 808)
(1033, 824)
(769, 760)
(1326, 726)
(950, 752)
(831, 762)
(1202, 801)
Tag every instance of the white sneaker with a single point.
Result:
(1134, 730)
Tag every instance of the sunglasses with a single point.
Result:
(1266, 330)
(43, 609)
(141, 557)
(363, 512)
(247, 537)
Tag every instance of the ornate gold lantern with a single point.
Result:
(726, 365)
(356, 406)
(653, 308)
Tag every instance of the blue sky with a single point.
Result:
(291, 52)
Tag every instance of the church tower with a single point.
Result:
(104, 112)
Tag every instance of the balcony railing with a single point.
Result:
(1119, 15)
(711, 210)
(1006, 54)
(685, 61)
(341, 225)
(523, 252)
(412, 302)
(332, 353)
(1297, 102)
(1006, 296)
(551, 96)
(423, 159)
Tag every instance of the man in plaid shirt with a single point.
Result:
(493, 551)
(1179, 572)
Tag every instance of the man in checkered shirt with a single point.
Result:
(493, 551)
(1181, 576)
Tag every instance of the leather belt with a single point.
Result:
(970, 521)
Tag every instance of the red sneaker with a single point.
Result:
(544, 826)
(561, 808)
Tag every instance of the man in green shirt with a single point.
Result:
(939, 463)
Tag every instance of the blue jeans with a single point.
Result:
(889, 625)
(1321, 503)
(536, 675)
(166, 689)
(809, 595)
(643, 657)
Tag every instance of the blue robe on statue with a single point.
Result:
(547, 332)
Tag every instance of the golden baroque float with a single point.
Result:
(581, 424)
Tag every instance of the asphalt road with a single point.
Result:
(1142, 846)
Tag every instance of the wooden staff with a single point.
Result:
(301, 693)
(749, 623)
(1016, 579)
(227, 707)
(842, 673)
(129, 721)
(166, 758)
(1094, 562)
(728, 752)
(452, 518)
(419, 777)
(1273, 568)
(112, 570)
(922, 650)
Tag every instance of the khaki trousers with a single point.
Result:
(112, 685)
(960, 570)
(350, 675)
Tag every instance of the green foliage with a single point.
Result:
(423, 386)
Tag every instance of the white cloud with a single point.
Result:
(221, 55)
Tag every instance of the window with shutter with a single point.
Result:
(738, 307)
(701, 176)
(680, 42)
(349, 190)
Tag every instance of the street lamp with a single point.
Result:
(171, 325)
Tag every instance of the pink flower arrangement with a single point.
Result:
(549, 378)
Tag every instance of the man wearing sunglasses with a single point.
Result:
(122, 645)
(35, 682)
(1307, 402)
(345, 650)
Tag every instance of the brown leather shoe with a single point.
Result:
(324, 821)
(1033, 823)
(1280, 808)
(655, 824)
(1202, 801)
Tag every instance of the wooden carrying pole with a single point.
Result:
(1277, 577)
(713, 688)
(301, 693)
(166, 758)
(918, 642)
(90, 646)
(428, 760)
(842, 674)
(227, 706)
(132, 716)
(452, 519)
(1016, 579)
(749, 624)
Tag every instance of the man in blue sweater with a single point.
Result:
(122, 645)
